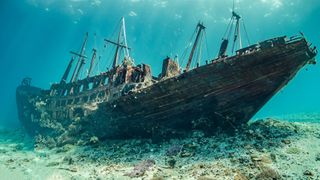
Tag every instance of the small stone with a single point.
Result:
(188, 150)
(73, 169)
(94, 140)
(266, 159)
(286, 141)
(140, 168)
(186, 154)
(171, 162)
(251, 176)
(205, 178)
(157, 178)
(273, 157)
(247, 147)
(308, 173)
(240, 176)
(50, 164)
(293, 150)
(26, 160)
(68, 160)
(268, 173)
(255, 157)
(10, 161)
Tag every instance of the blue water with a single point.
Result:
(36, 36)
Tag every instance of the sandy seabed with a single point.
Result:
(265, 149)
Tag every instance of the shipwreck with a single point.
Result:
(128, 101)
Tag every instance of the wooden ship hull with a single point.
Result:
(223, 94)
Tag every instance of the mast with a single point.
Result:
(236, 31)
(234, 28)
(92, 61)
(125, 37)
(116, 55)
(200, 27)
(66, 73)
(81, 59)
(119, 44)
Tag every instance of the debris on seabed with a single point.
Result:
(268, 149)
(141, 168)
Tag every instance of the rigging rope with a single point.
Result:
(187, 48)
(96, 65)
(200, 50)
(246, 32)
(109, 55)
(235, 36)
(124, 37)
(207, 47)
(234, 27)
(228, 30)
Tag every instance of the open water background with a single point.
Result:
(37, 35)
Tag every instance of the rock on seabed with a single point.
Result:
(264, 149)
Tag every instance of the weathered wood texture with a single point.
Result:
(223, 94)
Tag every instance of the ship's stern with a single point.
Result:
(25, 94)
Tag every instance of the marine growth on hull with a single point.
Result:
(127, 101)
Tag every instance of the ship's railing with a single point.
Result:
(294, 39)
(82, 91)
(100, 87)
(312, 50)
(273, 42)
(248, 50)
(80, 86)
(118, 76)
(267, 44)
(57, 105)
(101, 93)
